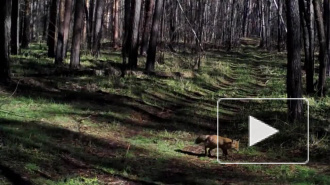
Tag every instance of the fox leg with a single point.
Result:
(225, 153)
(205, 150)
(210, 152)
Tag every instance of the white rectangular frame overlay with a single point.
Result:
(306, 100)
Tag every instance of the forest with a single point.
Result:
(164, 92)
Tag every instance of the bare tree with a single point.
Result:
(15, 27)
(327, 31)
(26, 37)
(52, 28)
(63, 31)
(135, 21)
(294, 85)
(149, 5)
(66, 26)
(151, 59)
(115, 23)
(77, 33)
(5, 24)
(323, 56)
(98, 27)
(126, 37)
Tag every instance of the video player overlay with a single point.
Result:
(262, 126)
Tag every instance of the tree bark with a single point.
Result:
(231, 29)
(151, 59)
(294, 90)
(5, 26)
(323, 56)
(303, 22)
(60, 35)
(115, 23)
(26, 37)
(66, 26)
(98, 27)
(308, 13)
(173, 25)
(15, 27)
(245, 17)
(135, 21)
(327, 29)
(279, 26)
(149, 5)
(52, 29)
(90, 23)
(77, 32)
(126, 36)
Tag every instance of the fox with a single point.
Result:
(210, 141)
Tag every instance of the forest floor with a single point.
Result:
(93, 127)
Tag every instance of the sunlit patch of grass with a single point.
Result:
(157, 145)
(290, 173)
(31, 167)
(73, 181)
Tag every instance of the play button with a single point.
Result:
(259, 131)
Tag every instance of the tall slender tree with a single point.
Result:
(63, 31)
(15, 27)
(66, 26)
(77, 33)
(327, 31)
(126, 36)
(134, 37)
(323, 56)
(90, 23)
(5, 24)
(115, 23)
(26, 37)
(307, 12)
(149, 5)
(98, 27)
(60, 34)
(52, 28)
(294, 90)
(151, 58)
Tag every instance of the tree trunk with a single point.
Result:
(323, 56)
(303, 22)
(294, 90)
(310, 63)
(279, 26)
(52, 29)
(115, 23)
(135, 21)
(263, 25)
(126, 36)
(90, 23)
(77, 32)
(231, 29)
(15, 27)
(173, 24)
(66, 26)
(5, 24)
(151, 59)
(60, 35)
(45, 19)
(308, 13)
(149, 5)
(27, 29)
(98, 27)
(327, 29)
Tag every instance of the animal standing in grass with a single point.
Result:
(210, 141)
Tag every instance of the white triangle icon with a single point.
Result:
(259, 131)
